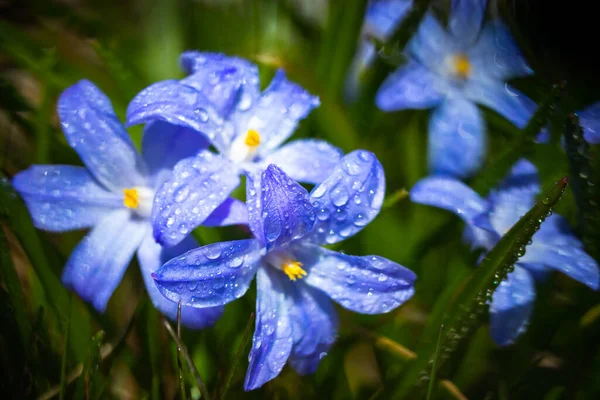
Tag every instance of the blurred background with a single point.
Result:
(54, 345)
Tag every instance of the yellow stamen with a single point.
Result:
(131, 199)
(462, 66)
(293, 269)
(252, 138)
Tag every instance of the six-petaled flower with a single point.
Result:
(487, 220)
(221, 100)
(295, 321)
(113, 194)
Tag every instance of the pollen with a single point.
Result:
(252, 138)
(462, 66)
(293, 269)
(131, 199)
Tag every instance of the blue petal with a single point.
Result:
(306, 160)
(590, 122)
(285, 210)
(315, 325)
(94, 132)
(276, 115)
(62, 197)
(349, 198)
(230, 212)
(254, 202)
(225, 81)
(512, 304)
(196, 188)
(210, 276)
(411, 86)
(165, 144)
(449, 194)
(368, 285)
(515, 196)
(431, 45)
(465, 20)
(151, 256)
(502, 98)
(496, 55)
(383, 16)
(99, 261)
(272, 340)
(179, 104)
(457, 139)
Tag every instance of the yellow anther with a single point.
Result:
(131, 199)
(293, 269)
(252, 138)
(462, 66)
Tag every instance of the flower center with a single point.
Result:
(244, 147)
(293, 269)
(139, 200)
(462, 66)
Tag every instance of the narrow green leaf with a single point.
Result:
(245, 337)
(434, 365)
(179, 366)
(92, 365)
(584, 184)
(153, 349)
(395, 198)
(463, 314)
(496, 169)
(63, 366)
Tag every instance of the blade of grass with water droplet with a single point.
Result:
(496, 169)
(463, 314)
(436, 357)
(584, 184)
(245, 337)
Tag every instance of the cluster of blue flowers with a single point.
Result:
(202, 133)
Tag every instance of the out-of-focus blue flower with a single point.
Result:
(552, 247)
(589, 119)
(221, 99)
(381, 19)
(295, 321)
(452, 70)
(113, 194)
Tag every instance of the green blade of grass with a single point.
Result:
(63, 366)
(245, 337)
(434, 366)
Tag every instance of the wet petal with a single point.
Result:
(277, 113)
(457, 139)
(348, 199)
(383, 16)
(230, 212)
(431, 45)
(368, 285)
(99, 261)
(411, 86)
(504, 99)
(514, 197)
(496, 55)
(285, 210)
(306, 160)
(210, 276)
(151, 256)
(450, 194)
(465, 20)
(165, 144)
(225, 81)
(63, 197)
(94, 132)
(197, 187)
(272, 341)
(512, 304)
(179, 104)
(315, 326)
(590, 122)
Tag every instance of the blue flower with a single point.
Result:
(552, 247)
(589, 119)
(113, 195)
(295, 320)
(452, 70)
(221, 100)
(381, 19)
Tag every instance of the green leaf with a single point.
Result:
(436, 357)
(464, 313)
(63, 366)
(584, 184)
(245, 337)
